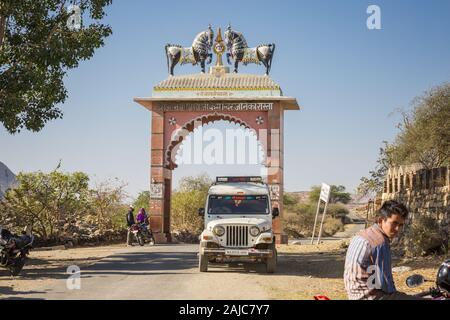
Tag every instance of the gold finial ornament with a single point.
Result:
(219, 49)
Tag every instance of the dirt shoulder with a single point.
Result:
(45, 267)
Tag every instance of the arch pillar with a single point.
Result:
(161, 182)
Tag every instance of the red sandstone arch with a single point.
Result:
(169, 129)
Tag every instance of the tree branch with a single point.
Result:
(3, 21)
(55, 27)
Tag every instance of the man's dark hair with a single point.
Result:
(391, 207)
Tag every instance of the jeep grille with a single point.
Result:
(237, 236)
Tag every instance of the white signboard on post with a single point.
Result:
(325, 192)
(324, 196)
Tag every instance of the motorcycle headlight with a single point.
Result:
(254, 231)
(219, 231)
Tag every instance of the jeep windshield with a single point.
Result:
(238, 204)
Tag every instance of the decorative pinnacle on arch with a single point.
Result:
(233, 44)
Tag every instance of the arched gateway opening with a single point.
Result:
(180, 104)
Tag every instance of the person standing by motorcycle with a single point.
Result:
(130, 222)
(368, 263)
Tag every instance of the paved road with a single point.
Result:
(158, 272)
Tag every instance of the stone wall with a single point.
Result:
(423, 191)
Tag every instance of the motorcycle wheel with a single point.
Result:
(140, 240)
(16, 267)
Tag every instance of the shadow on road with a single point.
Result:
(143, 263)
(10, 292)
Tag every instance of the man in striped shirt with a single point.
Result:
(368, 265)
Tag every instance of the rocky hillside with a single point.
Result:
(7, 179)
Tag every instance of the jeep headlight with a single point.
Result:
(254, 231)
(219, 231)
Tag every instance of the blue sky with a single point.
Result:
(347, 78)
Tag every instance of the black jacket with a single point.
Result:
(130, 218)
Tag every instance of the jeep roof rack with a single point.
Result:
(255, 179)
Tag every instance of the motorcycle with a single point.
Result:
(143, 234)
(442, 289)
(14, 250)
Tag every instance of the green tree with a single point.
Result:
(337, 194)
(143, 201)
(184, 210)
(202, 182)
(190, 196)
(106, 208)
(289, 199)
(373, 184)
(37, 48)
(425, 131)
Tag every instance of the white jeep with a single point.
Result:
(238, 223)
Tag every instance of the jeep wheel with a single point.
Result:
(271, 263)
(202, 263)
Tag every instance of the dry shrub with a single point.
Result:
(331, 226)
(300, 224)
(424, 236)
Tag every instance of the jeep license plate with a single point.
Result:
(235, 252)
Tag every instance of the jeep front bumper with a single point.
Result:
(237, 252)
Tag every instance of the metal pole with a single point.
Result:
(367, 214)
(321, 224)
(315, 222)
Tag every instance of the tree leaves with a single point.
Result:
(36, 51)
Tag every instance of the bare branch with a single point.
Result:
(3, 21)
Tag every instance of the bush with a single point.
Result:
(190, 196)
(337, 210)
(61, 207)
(331, 226)
(184, 212)
(424, 236)
(299, 223)
(289, 200)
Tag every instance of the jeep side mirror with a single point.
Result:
(275, 212)
(201, 212)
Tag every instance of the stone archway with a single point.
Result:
(182, 103)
